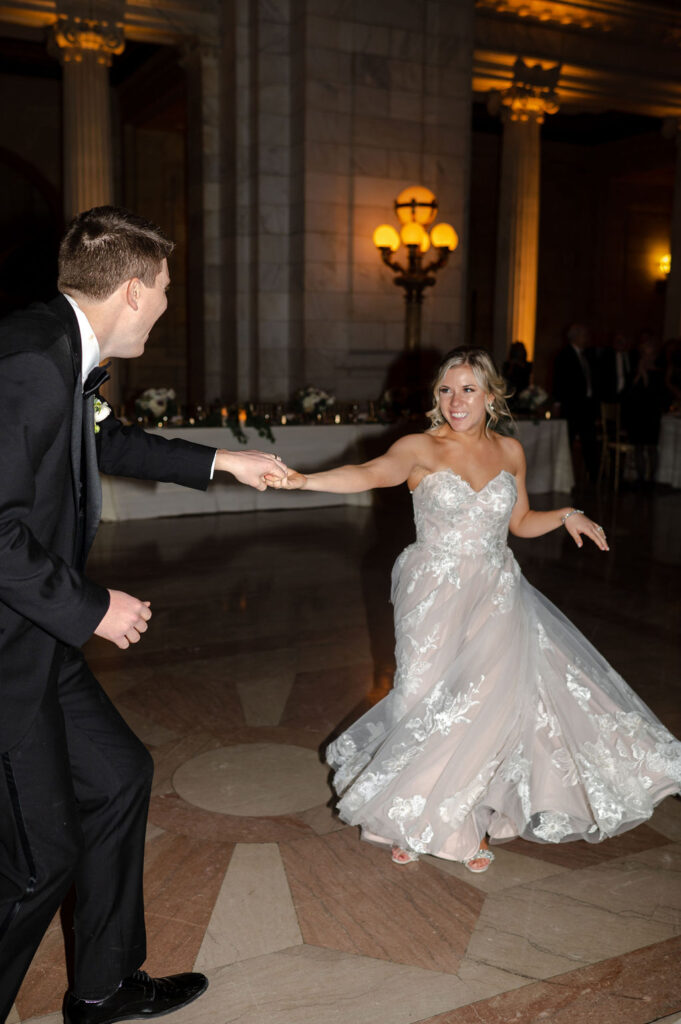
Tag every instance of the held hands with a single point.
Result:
(251, 468)
(578, 525)
(290, 481)
(125, 620)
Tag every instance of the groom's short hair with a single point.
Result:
(106, 246)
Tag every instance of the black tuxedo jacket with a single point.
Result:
(607, 375)
(49, 501)
(569, 380)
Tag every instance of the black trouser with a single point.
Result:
(74, 795)
(582, 424)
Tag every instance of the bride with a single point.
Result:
(503, 720)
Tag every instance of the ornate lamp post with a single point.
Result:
(415, 207)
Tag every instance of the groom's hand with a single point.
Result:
(125, 620)
(250, 467)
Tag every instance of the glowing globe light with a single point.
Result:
(443, 236)
(412, 233)
(385, 237)
(416, 203)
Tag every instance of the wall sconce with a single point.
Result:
(416, 207)
(665, 264)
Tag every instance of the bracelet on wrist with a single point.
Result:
(572, 512)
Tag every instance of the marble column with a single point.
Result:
(86, 48)
(523, 108)
(210, 353)
(672, 305)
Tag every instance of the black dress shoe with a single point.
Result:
(139, 996)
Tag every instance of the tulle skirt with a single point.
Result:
(504, 720)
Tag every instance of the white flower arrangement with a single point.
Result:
(532, 398)
(102, 410)
(313, 400)
(155, 401)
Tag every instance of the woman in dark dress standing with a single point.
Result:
(642, 409)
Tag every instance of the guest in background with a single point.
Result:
(615, 368)
(517, 371)
(642, 408)
(574, 387)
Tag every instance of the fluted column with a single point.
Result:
(672, 304)
(86, 48)
(523, 108)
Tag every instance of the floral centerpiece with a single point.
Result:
(311, 401)
(530, 400)
(156, 403)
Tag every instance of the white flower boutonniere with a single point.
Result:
(102, 410)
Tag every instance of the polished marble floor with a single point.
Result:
(270, 631)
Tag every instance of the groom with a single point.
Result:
(75, 781)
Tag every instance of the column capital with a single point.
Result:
(77, 34)
(532, 95)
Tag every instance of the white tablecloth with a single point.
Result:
(308, 448)
(669, 452)
(304, 448)
(547, 449)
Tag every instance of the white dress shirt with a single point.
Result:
(89, 345)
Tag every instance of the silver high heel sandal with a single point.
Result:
(482, 854)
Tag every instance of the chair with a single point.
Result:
(613, 442)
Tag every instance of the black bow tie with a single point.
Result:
(95, 379)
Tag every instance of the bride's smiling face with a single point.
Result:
(462, 399)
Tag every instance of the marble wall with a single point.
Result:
(338, 106)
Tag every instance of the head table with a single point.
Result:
(309, 448)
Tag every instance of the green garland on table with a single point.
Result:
(233, 418)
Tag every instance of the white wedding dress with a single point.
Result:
(503, 718)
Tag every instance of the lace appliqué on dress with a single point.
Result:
(455, 809)
(443, 710)
(552, 826)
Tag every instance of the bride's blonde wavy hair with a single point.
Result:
(489, 379)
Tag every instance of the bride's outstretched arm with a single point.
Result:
(526, 522)
(385, 471)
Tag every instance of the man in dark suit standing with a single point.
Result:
(75, 781)
(574, 386)
(615, 369)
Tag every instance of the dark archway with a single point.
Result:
(31, 224)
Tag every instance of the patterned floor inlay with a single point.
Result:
(342, 889)
(641, 987)
(254, 913)
(255, 779)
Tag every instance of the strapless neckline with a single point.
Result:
(463, 480)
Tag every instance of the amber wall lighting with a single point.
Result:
(665, 264)
(416, 208)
